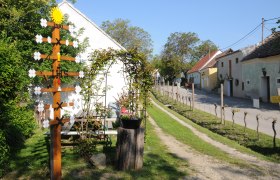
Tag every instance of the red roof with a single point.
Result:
(213, 62)
(202, 62)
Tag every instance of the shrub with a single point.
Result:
(4, 152)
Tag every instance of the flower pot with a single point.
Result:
(131, 123)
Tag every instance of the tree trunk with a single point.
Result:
(130, 148)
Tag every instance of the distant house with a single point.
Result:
(230, 71)
(209, 77)
(261, 69)
(194, 75)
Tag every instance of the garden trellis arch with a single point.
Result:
(136, 68)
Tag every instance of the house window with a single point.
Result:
(278, 81)
(242, 86)
(236, 82)
(236, 60)
(222, 64)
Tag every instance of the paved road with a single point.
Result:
(205, 101)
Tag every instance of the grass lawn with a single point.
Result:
(236, 137)
(186, 136)
(32, 162)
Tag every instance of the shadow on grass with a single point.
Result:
(274, 153)
(154, 167)
(32, 162)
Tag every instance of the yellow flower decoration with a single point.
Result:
(57, 15)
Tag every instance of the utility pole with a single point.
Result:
(262, 28)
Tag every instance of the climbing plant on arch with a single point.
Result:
(136, 69)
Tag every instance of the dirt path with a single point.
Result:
(209, 168)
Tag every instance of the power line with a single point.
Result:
(268, 29)
(271, 19)
(243, 37)
(233, 44)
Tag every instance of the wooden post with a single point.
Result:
(56, 129)
(278, 91)
(130, 149)
(168, 88)
(222, 101)
(192, 96)
(164, 86)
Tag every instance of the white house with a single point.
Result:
(98, 40)
(230, 71)
(194, 75)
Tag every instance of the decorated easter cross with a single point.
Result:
(57, 73)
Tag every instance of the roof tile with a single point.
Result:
(201, 63)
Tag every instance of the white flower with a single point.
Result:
(32, 73)
(81, 74)
(37, 90)
(77, 59)
(71, 28)
(75, 44)
(37, 55)
(84, 58)
(43, 22)
(49, 39)
(76, 105)
(72, 119)
(78, 89)
(67, 42)
(46, 123)
(41, 107)
(39, 38)
(59, 88)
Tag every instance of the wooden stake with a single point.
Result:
(192, 96)
(56, 129)
(222, 101)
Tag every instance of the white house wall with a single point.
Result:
(196, 78)
(253, 76)
(98, 40)
(236, 71)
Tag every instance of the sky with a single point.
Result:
(224, 22)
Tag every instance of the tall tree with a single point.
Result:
(181, 51)
(130, 37)
(156, 62)
(277, 28)
(178, 50)
(202, 49)
(19, 20)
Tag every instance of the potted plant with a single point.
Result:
(130, 121)
(128, 116)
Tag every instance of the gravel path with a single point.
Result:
(209, 168)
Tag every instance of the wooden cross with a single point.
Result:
(58, 121)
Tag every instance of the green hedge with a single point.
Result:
(4, 152)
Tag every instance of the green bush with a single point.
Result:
(4, 152)
(20, 125)
(16, 119)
